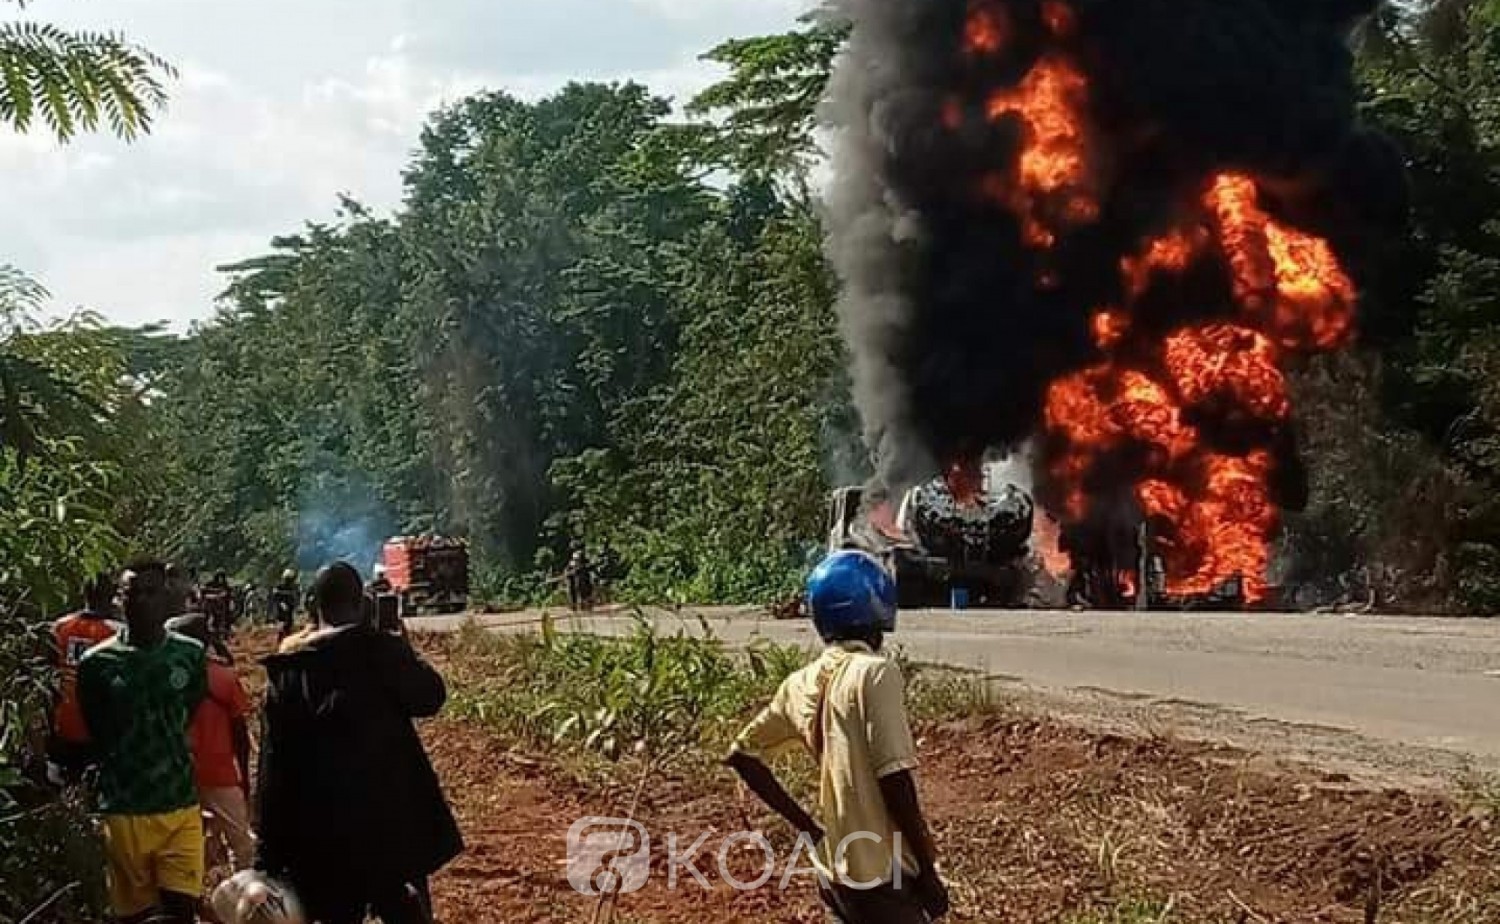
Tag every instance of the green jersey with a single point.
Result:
(137, 703)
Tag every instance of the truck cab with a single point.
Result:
(429, 573)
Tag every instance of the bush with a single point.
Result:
(660, 698)
(50, 858)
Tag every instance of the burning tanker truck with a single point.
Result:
(948, 534)
(1112, 230)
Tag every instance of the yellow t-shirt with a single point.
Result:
(863, 737)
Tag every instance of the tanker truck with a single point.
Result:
(934, 543)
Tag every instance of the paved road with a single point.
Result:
(1432, 683)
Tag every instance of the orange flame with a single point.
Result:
(1212, 513)
(1234, 364)
(1170, 253)
(1059, 18)
(1224, 532)
(986, 29)
(965, 482)
(1289, 281)
(1218, 507)
(1110, 327)
(1046, 542)
(1052, 188)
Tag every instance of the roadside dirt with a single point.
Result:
(1040, 821)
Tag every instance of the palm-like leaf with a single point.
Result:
(77, 81)
(36, 401)
(19, 296)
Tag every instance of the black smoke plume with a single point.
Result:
(954, 339)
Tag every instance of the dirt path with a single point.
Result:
(1040, 822)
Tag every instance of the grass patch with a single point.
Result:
(1482, 791)
(671, 700)
(668, 700)
(935, 693)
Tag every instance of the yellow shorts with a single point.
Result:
(151, 854)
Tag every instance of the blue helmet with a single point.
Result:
(850, 596)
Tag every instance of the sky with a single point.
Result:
(282, 105)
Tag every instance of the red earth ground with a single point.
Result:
(1039, 821)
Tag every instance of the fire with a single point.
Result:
(985, 30)
(1110, 327)
(1222, 362)
(1046, 542)
(1145, 421)
(965, 482)
(1215, 512)
(1051, 189)
(1059, 18)
(1170, 253)
(1288, 280)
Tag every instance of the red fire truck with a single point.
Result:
(428, 573)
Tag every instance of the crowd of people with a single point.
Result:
(348, 816)
(344, 816)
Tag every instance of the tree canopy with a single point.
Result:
(593, 322)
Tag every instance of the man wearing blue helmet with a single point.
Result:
(875, 856)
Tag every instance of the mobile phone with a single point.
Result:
(388, 612)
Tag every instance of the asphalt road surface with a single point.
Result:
(1428, 683)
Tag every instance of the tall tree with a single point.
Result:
(767, 107)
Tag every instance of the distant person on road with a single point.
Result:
(138, 692)
(875, 856)
(351, 813)
(384, 603)
(68, 749)
(283, 601)
(580, 578)
(380, 581)
(220, 737)
(218, 605)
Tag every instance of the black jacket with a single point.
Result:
(345, 790)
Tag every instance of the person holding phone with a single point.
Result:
(352, 817)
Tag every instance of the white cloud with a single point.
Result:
(283, 104)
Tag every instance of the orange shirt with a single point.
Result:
(212, 730)
(75, 635)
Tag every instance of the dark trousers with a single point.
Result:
(410, 903)
(882, 905)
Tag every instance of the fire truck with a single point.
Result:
(429, 573)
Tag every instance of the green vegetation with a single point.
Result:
(567, 334)
(49, 856)
(593, 322)
(73, 81)
(666, 700)
(72, 412)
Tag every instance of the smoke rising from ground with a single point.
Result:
(956, 323)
